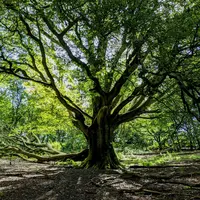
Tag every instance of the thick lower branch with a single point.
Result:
(11, 150)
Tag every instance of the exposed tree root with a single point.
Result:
(33, 150)
(38, 158)
(36, 151)
(182, 183)
(163, 166)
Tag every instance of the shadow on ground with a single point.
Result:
(28, 181)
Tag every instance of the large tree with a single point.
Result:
(106, 61)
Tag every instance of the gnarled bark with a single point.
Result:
(16, 151)
(37, 151)
(101, 152)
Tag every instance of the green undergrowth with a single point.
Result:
(147, 159)
(160, 159)
(69, 163)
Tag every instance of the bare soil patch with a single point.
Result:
(32, 181)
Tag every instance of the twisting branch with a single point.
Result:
(131, 65)
(136, 92)
(121, 50)
(71, 24)
(22, 74)
(78, 112)
(130, 115)
(82, 46)
(32, 149)
(42, 49)
(83, 65)
(78, 108)
(16, 72)
(190, 92)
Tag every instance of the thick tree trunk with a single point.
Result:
(101, 152)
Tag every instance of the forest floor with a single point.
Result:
(31, 181)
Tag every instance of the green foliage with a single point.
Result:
(137, 59)
(69, 163)
(56, 145)
(162, 159)
(1, 194)
(26, 112)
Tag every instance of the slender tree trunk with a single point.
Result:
(178, 146)
(191, 145)
(198, 143)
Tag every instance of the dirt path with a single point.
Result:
(28, 181)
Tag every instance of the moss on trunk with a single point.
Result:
(101, 152)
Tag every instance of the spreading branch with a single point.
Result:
(23, 147)
(75, 59)
(130, 115)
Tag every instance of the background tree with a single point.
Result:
(106, 61)
(29, 119)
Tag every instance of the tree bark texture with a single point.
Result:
(100, 136)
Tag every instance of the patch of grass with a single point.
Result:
(69, 162)
(162, 159)
(185, 158)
